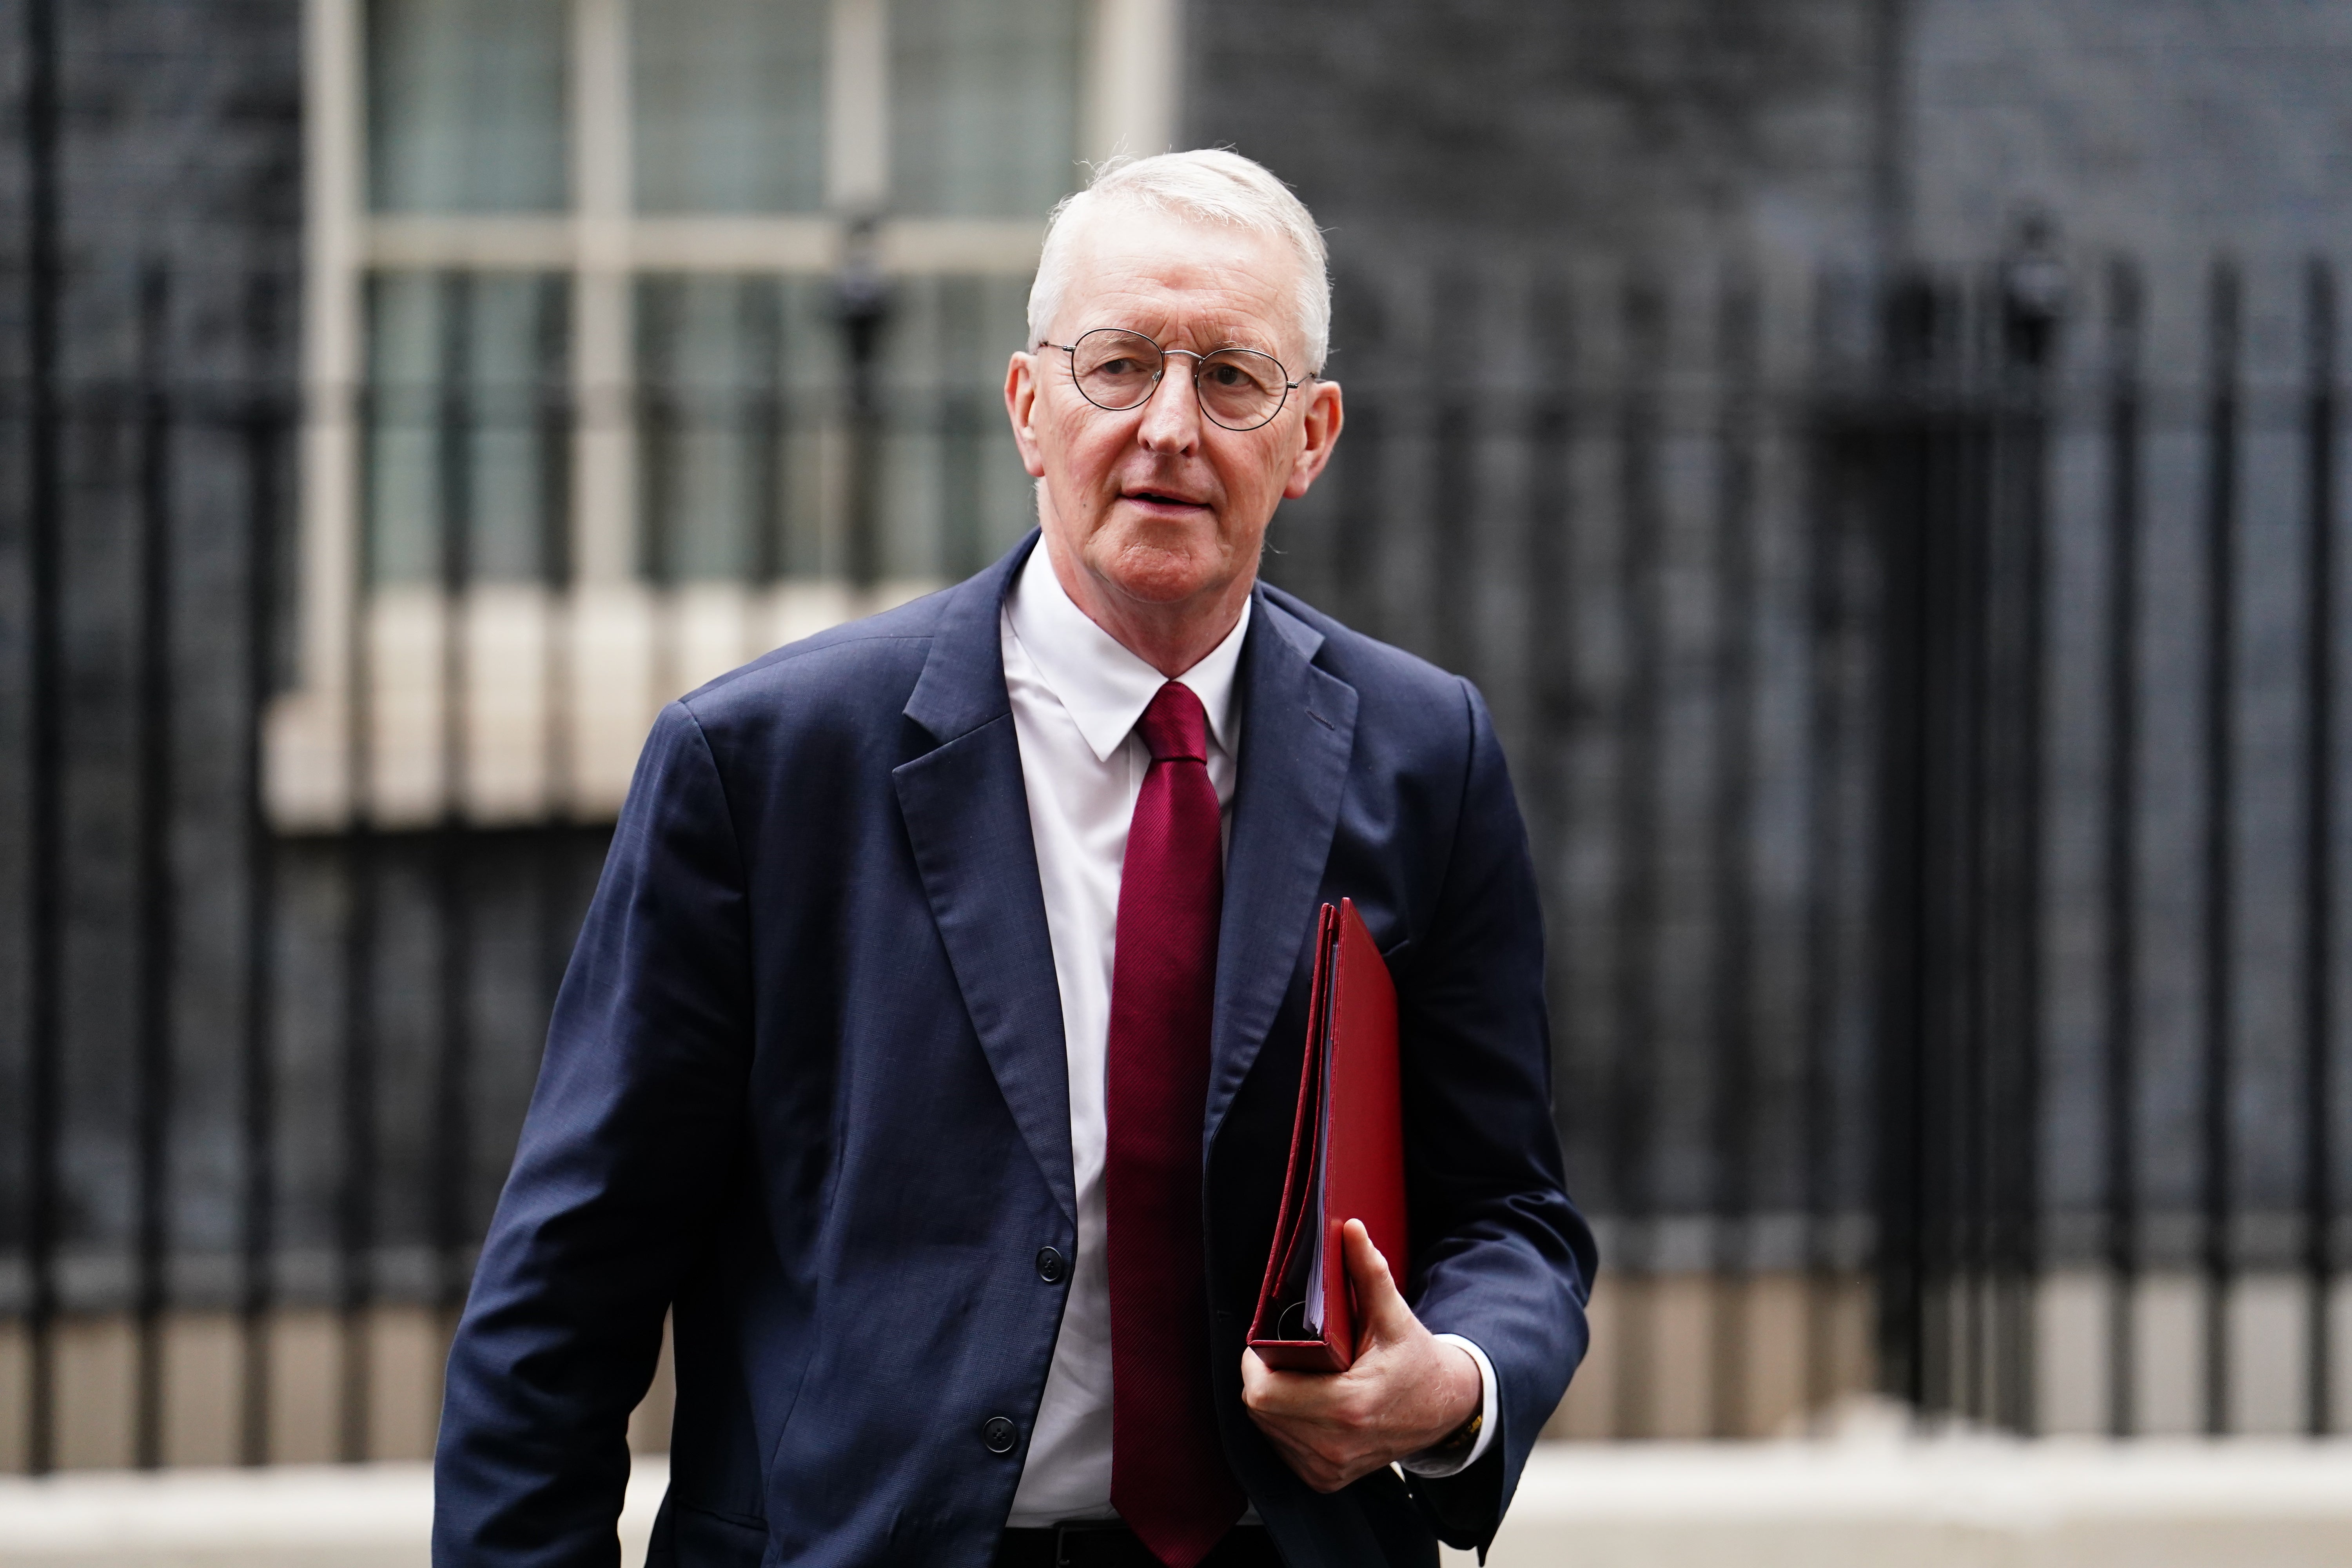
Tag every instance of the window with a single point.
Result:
(983, 120)
(728, 107)
(465, 106)
(577, 366)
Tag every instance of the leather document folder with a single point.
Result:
(1347, 1154)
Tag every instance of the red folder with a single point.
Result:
(1346, 1155)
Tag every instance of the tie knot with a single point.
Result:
(1176, 727)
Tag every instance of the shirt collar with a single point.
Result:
(1104, 688)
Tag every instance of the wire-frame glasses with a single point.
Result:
(1117, 370)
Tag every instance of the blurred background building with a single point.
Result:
(1879, 456)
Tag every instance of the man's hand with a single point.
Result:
(1404, 1392)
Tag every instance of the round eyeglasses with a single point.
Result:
(1117, 370)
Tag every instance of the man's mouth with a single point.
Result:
(1160, 498)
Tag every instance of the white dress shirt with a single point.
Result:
(1076, 694)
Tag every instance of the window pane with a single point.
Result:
(741, 427)
(954, 495)
(466, 439)
(517, 470)
(735, 375)
(466, 105)
(984, 105)
(728, 97)
(403, 349)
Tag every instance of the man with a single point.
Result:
(931, 1046)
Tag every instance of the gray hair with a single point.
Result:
(1208, 185)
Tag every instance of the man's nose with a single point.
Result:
(1171, 416)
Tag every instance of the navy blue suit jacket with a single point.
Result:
(805, 1088)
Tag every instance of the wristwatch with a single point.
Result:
(1458, 1443)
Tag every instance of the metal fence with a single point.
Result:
(1921, 697)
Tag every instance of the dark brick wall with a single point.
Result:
(181, 144)
(1465, 154)
(1610, 126)
(2161, 126)
(178, 156)
(1790, 133)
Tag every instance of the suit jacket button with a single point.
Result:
(999, 1433)
(1050, 1267)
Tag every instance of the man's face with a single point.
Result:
(1157, 504)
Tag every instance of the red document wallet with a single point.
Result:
(1346, 1155)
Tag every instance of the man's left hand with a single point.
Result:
(1404, 1392)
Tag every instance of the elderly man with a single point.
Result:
(931, 1046)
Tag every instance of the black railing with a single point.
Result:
(1924, 702)
(1925, 709)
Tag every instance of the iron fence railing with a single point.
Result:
(1924, 700)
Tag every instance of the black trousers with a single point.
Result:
(1088, 1543)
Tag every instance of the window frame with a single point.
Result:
(319, 777)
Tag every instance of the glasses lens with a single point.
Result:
(1115, 369)
(1240, 388)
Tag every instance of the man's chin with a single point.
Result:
(1164, 569)
(1169, 588)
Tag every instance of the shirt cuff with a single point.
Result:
(1434, 1469)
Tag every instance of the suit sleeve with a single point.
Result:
(1501, 1256)
(636, 1123)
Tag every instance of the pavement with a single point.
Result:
(1951, 1502)
(287, 1516)
(1874, 1495)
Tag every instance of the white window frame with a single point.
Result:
(592, 664)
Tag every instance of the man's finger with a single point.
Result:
(1253, 1374)
(1268, 1391)
(1381, 1308)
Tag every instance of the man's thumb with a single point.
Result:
(1379, 1306)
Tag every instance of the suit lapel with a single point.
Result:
(1299, 731)
(967, 816)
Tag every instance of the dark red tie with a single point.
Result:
(1168, 1478)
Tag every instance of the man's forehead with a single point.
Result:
(1179, 272)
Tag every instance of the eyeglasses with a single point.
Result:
(1117, 370)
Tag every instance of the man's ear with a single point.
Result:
(1021, 407)
(1320, 431)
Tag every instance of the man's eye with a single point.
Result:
(1120, 367)
(1232, 375)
